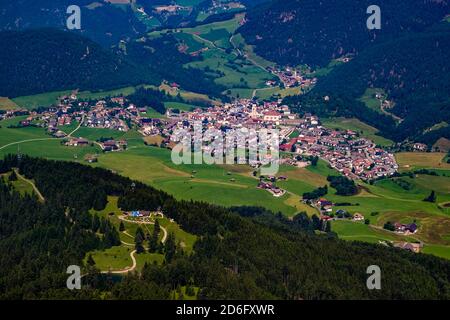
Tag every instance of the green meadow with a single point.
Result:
(12, 135)
(238, 43)
(19, 185)
(37, 100)
(358, 231)
(188, 39)
(214, 184)
(180, 106)
(267, 93)
(436, 250)
(217, 33)
(421, 160)
(234, 72)
(49, 98)
(369, 99)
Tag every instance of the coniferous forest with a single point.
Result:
(229, 260)
(407, 58)
(43, 60)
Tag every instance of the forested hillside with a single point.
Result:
(100, 21)
(45, 60)
(413, 71)
(163, 57)
(407, 59)
(292, 32)
(242, 253)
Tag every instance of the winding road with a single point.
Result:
(126, 270)
(133, 258)
(42, 139)
(165, 233)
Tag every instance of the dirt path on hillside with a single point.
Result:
(77, 128)
(397, 118)
(36, 190)
(126, 270)
(164, 230)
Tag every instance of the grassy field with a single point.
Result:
(190, 97)
(384, 201)
(110, 93)
(190, 41)
(35, 141)
(112, 259)
(240, 93)
(369, 99)
(418, 160)
(51, 149)
(436, 250)
(49, 98)
(9, 135)
(234, 72)
(278, 92)
(434, 229)
(358, 231)
(321, 72)
(356, 125)
(43, 99)
(180, 106)
(152, 113)
(238, 42)
(199, 182)
(218, 33)
(7, 104)
(21, 186)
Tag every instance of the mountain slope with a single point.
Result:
(241, 253)
(100, 20)
(292, 32)
(407, 58)
(413, 70)
(45, 60)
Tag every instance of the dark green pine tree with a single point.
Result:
(121, 227)
(154, 240)
(13, 176)
(102, 228)
(115, 238)
(95, 223)
(431, 197)
(139, 240)
(100, 200)
(170, 247)
(328, 226)
(111, 237)
(90, 261)
(316, 222)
